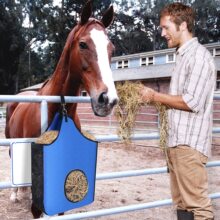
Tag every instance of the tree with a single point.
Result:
(11, 45)
(207, 26)
(127, 32)
(33, 33)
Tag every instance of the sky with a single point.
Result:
(57, 2)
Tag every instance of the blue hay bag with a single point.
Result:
(64, 172)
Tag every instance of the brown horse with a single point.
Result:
(85, 62)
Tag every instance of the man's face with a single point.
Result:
(170, 32)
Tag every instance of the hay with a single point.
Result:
(48, 137)
(128, 107)
(162, 110)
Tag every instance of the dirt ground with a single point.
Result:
(114, 157)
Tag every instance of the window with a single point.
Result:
(150, 60)
(146, 61)
(217, 84)
(122, 64)
(171, 58)
(217, 52)
(143, 61)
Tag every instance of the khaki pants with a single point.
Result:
(189, 181)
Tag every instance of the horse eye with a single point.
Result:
(83, 45)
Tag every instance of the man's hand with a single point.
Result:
(147, 94)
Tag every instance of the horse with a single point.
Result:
(84, 62)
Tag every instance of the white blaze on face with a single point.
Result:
(101, 42)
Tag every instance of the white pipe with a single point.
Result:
(36, 98)
(56, 99)
(44, 116)
(121, 209)
(122, 174)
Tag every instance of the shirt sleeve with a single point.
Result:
(199, 83)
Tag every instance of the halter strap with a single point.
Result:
(63, 111)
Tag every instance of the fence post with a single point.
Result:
(44, 115)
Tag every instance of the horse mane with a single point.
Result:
(44, 83)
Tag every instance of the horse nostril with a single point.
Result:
(103, 98)
(114, 102)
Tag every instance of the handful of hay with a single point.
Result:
(127, 109)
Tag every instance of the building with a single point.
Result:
(154, 67)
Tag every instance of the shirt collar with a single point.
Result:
(185, 47)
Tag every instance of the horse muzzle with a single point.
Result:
(103, 105)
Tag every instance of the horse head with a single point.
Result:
(90, 54)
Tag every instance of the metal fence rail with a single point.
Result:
(101, 138)
(122, 174)
(123, 209)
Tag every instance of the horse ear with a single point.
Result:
(108, 16)
(86, 12)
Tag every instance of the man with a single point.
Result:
(189, 105)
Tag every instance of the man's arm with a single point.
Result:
(171, 101)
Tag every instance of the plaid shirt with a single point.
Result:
(193, 78)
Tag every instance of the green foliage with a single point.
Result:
(207, 20)
(11, 45)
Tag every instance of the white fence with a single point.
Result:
(43, 100)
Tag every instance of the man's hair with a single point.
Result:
(180, 13)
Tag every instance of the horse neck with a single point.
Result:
(61, 83)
